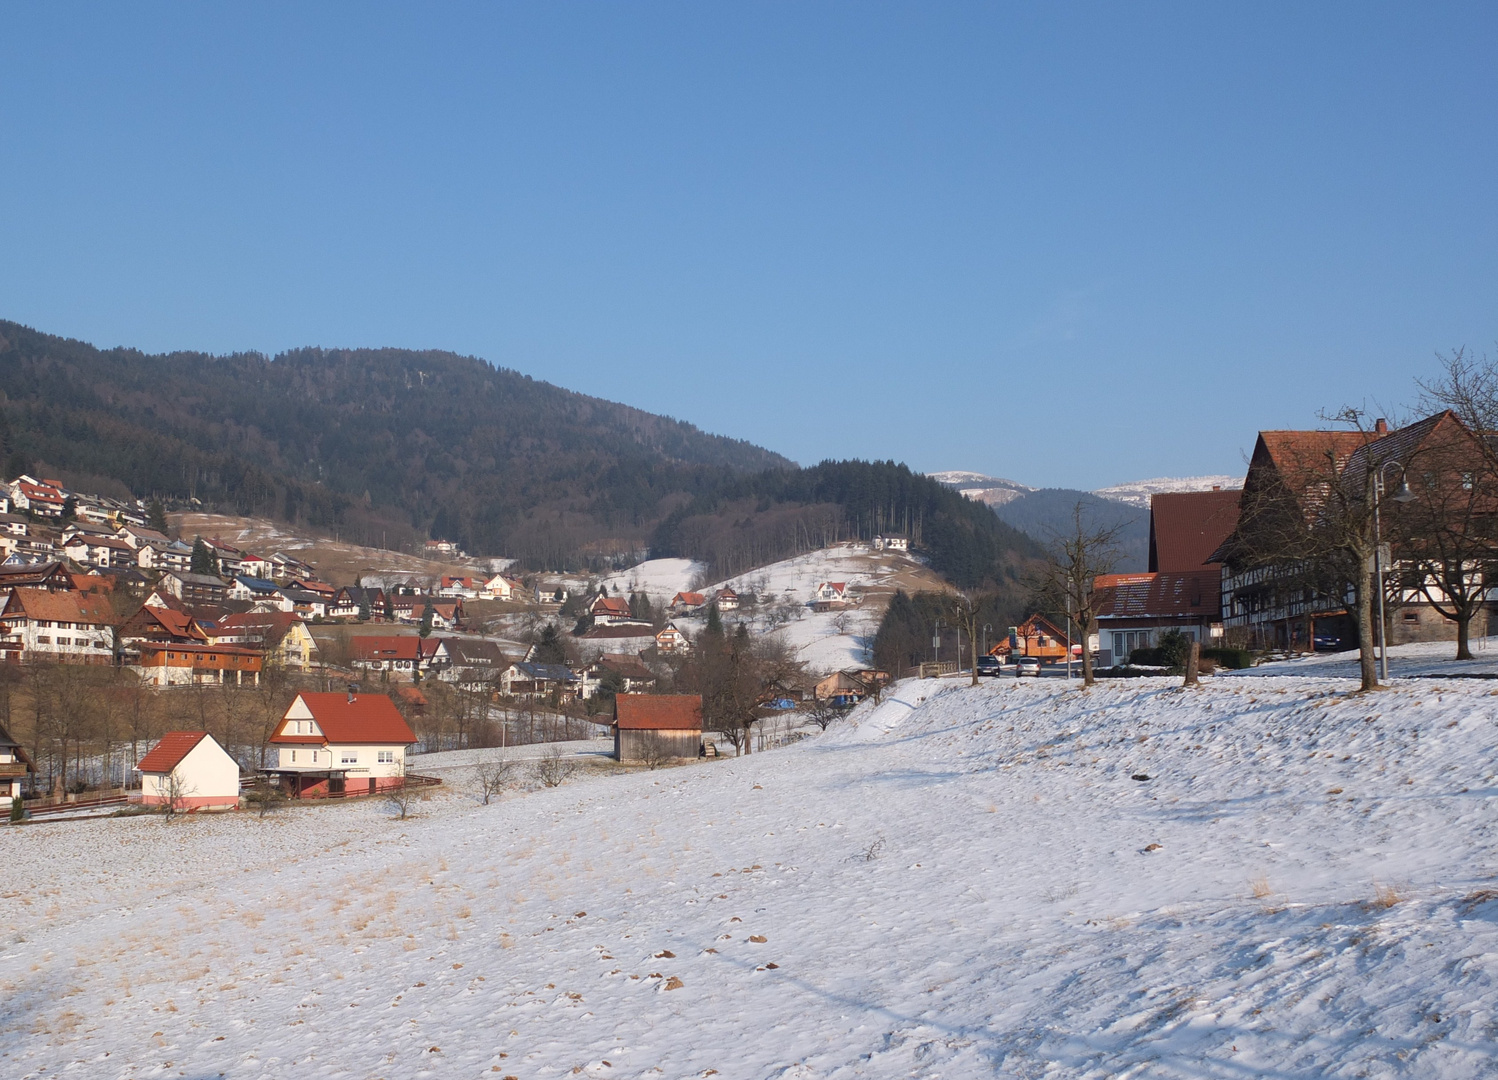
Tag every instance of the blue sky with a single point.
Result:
(1068, 244)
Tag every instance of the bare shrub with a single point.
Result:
(495, 776)
(1386, 896)
(552, 768)
(1261, 889)
(265, 797)
(403, 799)
(655, 751)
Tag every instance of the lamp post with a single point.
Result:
(987, 628)
(936, 640)
(1403, 495)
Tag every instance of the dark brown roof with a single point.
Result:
(1134, 596)
(658, 712)
(1187, 527)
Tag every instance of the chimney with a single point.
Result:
(1216, 487)
(353, 688)
(1380, 426)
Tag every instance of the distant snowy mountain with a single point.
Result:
(1138, 492)
(992, 490)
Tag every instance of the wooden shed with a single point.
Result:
(647, 724)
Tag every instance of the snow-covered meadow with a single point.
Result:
(956, 882)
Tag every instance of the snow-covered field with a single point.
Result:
(660, 579)
(968, 884)
(1424, 659)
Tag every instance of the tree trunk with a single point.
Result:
(1463, 632)
(1192, 659)
(1086, 628)
(1367, 651)
(973, 642)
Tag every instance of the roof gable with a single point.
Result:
(349, 718)
(1187, 527)
(167, 754)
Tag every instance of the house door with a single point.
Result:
(335, 784)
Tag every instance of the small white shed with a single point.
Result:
(190, 770)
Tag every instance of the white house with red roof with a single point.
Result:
(190, 771)
(829, 595)
(499, 587)
(341, 744)
(609, 610)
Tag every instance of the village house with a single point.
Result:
(260, 591)
(499, 587)
(309, 605)
(172, 556)
(194, 588)
(358, 602)
(1182, 589)
(726, 599)
(648, 726)
(281, 636)
(669, 640)
(166, 663)
(157, 622)
(14, 524)
(530, 680)
(230, 559)
(41, 498)
(628, 673)
(341, 744)
(72, 627)
(15, 765)
(1037, 636)
(687, 603)
(829, 596)
(405, 656)
(255, 566)
(52, 576)
(637, 636)
(463, 587)
(608, 610)
(473, 665)
(892, 543)
(189, 770)
(849, 687)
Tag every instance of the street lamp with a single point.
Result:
(1403, 495)
(936, 640)
(987, 628)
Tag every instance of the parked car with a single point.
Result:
(1027, 665)
(989, 665)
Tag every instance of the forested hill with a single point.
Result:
(389, 446)
(372, 442)
(752, 519)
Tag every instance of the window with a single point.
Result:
(350, 757)
(387, 757)
(1466, 481)
(44, 641)
(293, 757)
(1412, 616)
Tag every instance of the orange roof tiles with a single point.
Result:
(167, 754)
(351, 718)
(73, 607)
(658, 712)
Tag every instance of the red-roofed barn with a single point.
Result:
(647, 724)
(189, 770)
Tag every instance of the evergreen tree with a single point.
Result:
(550, 648)
(426, 619)
(203, 559)
(714, 630)
(156, 516)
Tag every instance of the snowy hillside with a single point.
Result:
(660, 579)
(992, 490)
(1138, 492)
(968, 884)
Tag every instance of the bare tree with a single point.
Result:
(965, 614)
(655, 751)
(824, 713)
(402, 799)
(1076, 559)
(552, 768)
(175, 792)
(265, 796)
(494, 776)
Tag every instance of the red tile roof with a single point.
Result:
(169, 752)
(1125, 596)
(61, 606)
(350, 718)
(691, 599)
(658, 712)
(392, 647)
(610, 605)
(1187, 527)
